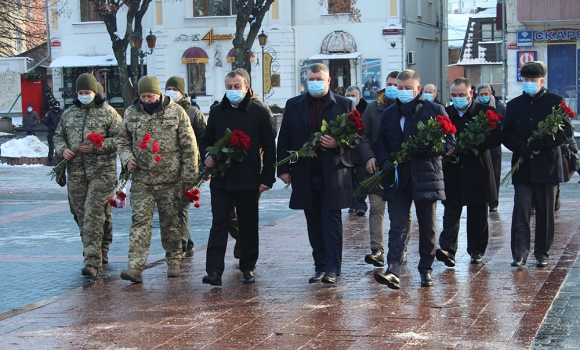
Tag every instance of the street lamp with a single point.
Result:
(263, 38)
(136, 41)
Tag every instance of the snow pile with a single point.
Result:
(17, 122)
(30, 147)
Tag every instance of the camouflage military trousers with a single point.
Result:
(107, 226)
(89, 200)
(143, 199)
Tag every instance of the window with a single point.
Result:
(338, 6)
(88, 13)
(209, 8)
(196, 78)
(489, 33)
(491, 74)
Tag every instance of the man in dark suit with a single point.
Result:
(243, 181)
(321, 185)
(541, 171)
(469, 182)
(420, 180)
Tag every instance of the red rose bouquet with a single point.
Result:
(125, 175)
(231, 146)
(429, 136)
(57, 172)
(346, 129)
(548, 127)
(477, 129)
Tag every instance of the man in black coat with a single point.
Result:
(51, 120)
(469, 181)
(243, 181)
(541, 169)
(419, 180)
(321, 186)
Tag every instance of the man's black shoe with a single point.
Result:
(248, 277)
(542, 263)
(475, 259)
(360, 212)
(492, 208)
(389, 279)
(212, 279)
(317, 277)
(329, 277)
(445, 257)
(90, 271)
(188, 253)
(376, 258)
(426, 280)
(518, 262)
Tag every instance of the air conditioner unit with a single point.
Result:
(411, 58)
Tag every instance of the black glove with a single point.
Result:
(525, 151)
(415, 151)
(62, 179)
(537, 144)
(388, 167)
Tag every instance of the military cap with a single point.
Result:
(533, 69)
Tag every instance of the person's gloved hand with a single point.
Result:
(525, 151)
(537, 144)
(415, 151)
(388, 167)
(61, 181)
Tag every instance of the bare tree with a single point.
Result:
(22, 26)
(250, 12)
(337, 7)
(107, 10)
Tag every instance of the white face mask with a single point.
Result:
(29, 109)
(86, 99)
(173, 94)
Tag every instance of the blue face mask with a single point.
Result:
(460, 102)
(484, 99)
(530, 87)
(316, 87)
(391, 92)
(194, 101)
(235, 96)
(428, 96)
(405, 96)
(353, 99)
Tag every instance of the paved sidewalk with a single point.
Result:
(489, 306)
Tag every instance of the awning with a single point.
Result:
(335, 56)
(232, 56)
(194, 55)
(84, 61)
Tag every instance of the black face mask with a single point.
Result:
(150, 107)
(56, 109)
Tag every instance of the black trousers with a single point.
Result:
(545, 195)
(359, 174)
(496, 163)
(400, 217)
(246, 204)
(477, 229)
(324, 229)
(50, 139)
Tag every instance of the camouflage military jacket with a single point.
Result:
(170, 127)
(75, 125)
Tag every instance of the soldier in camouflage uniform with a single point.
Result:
(156, 182)
(174, 88)
(92, 171)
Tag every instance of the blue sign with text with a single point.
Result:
(525, 38)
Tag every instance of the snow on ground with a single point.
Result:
(30, 147)
(17, 122)
(3, 134)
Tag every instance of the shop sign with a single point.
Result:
(557, 35)
(55, 43)
(210, 37)
(523, 57)
(525, 38)
(399, 31)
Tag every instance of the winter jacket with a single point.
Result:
(470, 180)
(523, 114)
(51, 119)
(254, 120)
(30, 120)
(426, 172)
(168, 125)
(196, 118)
(76, 123)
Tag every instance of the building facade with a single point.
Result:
(194, 40)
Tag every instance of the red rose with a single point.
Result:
(113, 203)
(356, 114)
(96, 139)
(492, 126)
(196, 204)
(447, 126)
(145, 143)
(195, 197)
(195, 191)
(155, 148)
(157, 159)
(121, 195)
